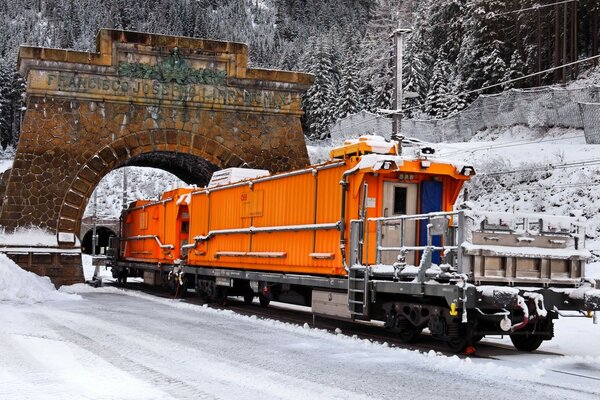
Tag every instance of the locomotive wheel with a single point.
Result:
(249, 298)
(264, 301)
(182, 292)
(456, 345)
(122, 277)
(221, 295)
(526, 342)
(409, 334)
(458, 341)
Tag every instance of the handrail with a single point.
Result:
(263, 229)
(415, 216)
(155, 237)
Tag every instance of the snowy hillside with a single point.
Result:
(522, 169)
(528, 170)
(142, 183)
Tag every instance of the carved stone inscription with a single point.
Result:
(153, 89)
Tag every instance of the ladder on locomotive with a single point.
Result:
(358, 274)
(358, 291)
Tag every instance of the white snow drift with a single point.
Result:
(20, 286)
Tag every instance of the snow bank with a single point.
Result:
(592, 270)
(29, 237)
(5, 165)
(21, 286)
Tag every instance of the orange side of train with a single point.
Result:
(287, 222)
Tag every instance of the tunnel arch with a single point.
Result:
(150, 143)
(104, 233)
(139, 94)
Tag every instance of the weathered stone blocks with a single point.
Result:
(84, 119)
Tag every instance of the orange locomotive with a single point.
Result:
(289, 222)
(362, 236)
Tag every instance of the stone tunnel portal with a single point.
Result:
(104, 234)
(140, 98)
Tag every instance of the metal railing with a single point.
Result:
(443, 224)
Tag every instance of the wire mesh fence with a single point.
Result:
(543, 107)
(536, 107)
(590, 113)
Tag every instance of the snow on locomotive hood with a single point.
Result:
(377, 143)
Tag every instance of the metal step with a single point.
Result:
(355, 302)
(358, 288)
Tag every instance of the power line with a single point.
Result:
(508, 81)
(573, 164)
(535, 7)
(511, 144)
(569, 185)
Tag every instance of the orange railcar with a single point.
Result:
(291, 222)
(369, 235)
(155, 231)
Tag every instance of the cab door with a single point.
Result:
(399, 199)
(183, 229)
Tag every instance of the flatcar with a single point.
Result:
(373, 234)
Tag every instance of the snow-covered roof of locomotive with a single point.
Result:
(378, 144)
(382, 149)
(233, 175)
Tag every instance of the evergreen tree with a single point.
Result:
(11, 89)
(457, 98)
(348, 101)
(439, 91)
(482, 56)
(516, 70)
(319, 101)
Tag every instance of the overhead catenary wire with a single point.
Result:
(573, 164)
(511, 144)
(503, 83)
(536, 6)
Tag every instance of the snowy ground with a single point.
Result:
(109, 343)
(116, 344)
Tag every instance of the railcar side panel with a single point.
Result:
(154, 231)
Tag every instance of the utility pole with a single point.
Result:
(124, 205)
(94, 228)
(564, 46)
(397, 105)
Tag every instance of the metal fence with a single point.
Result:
(536, 107)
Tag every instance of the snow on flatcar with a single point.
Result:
(372, 235)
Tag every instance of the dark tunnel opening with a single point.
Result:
(191, 169)
(103, 233)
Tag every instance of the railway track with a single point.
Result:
(374, 332)
(300, 316)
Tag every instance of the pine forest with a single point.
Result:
(455, 47)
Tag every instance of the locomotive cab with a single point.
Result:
(387, 184)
